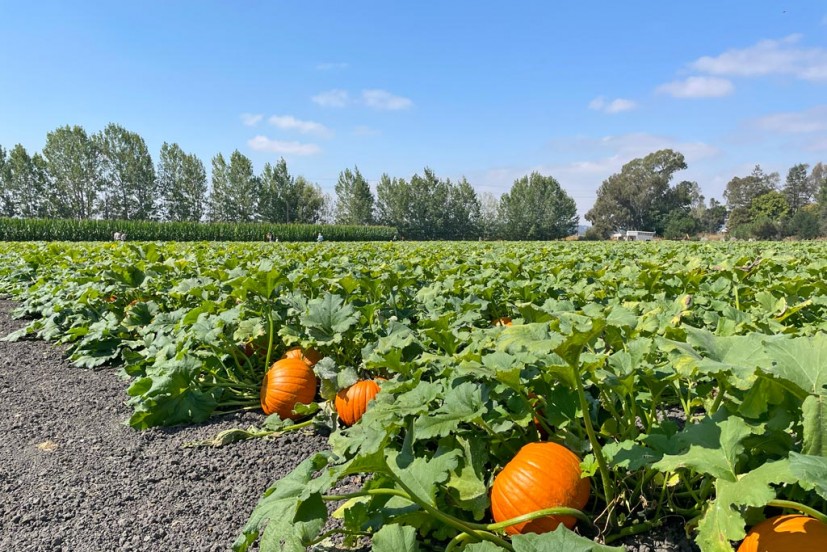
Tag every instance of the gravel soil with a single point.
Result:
(75, 477)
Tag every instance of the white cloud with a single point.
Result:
(332, 66)
(617, 105)
(263, 143)
(384, 100)
(768, 57)
(697, 87)
(332, 98)
(250, 119)
(288, 122)
(795, 122)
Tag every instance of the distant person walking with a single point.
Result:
(320, 238)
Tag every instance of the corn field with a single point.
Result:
(12, 229)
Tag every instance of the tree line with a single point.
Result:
(758, 205)
(111, 175)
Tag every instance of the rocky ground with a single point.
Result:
(74, 477)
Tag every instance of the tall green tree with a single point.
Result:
(244, 189)
(276, 191)
(489, 223)
(354, 199)
(310, 202)
(393, 203)
(798, 189)
(537, 208)
(772, 205)
(426, 212)
(27, 183)
(181, 184)
(288, 199)
(7, 207)
(128, 175)
(639, 196)
(740, 191)
(463, 211)
(712, 218)
(73, 160)
(220, 209)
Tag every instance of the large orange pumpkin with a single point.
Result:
(788, 533)
(540, 476)
(310, 356)
(352, 403)
(288, 382)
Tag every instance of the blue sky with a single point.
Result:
(486, 90)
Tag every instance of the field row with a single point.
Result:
(684, 379)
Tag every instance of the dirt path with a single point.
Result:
(73, 477)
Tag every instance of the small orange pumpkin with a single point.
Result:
(352, 403)
(541, 475)
(504, 321)
(309, 356)
(288, 382)
(786, 533)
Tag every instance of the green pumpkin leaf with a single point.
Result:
(395, 538)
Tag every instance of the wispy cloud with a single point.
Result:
(768, 57)
(384, 100)
(288, 122)
(332, 98)
(697, 87)
(250, 119)
(615, 106)
(332, 66)
(363, 130)
(794, 122)
(265, 144)
(596, 159)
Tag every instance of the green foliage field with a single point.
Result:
(690, 378)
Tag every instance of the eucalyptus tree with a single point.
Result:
(639, 197)
(798, 188)
(740, 191)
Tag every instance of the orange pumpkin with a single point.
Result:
(352, 403)
(288, 382)
(504, 321)
(786, 533)
(540, 476)
(310, 356)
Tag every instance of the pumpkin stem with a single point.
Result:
(608, 492)
(448, 519)
(556, 511)
(790, 505)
